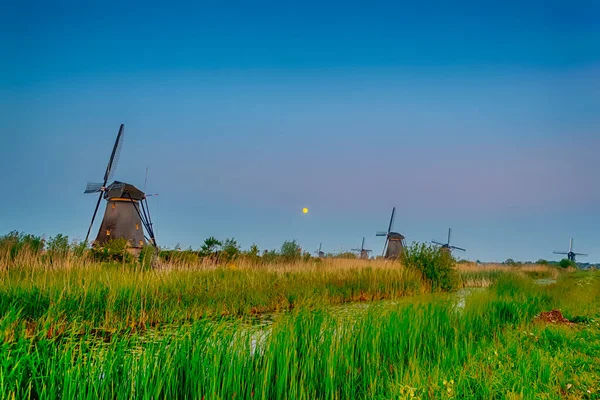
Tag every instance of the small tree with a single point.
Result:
(229, 250)
(290, 251)
(252, 255)
(210, 247)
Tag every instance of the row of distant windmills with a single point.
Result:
(394, 243)
(127, 215)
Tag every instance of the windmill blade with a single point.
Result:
(92, 188)
(438, 243)
(355, 249)
(580, 254)
(93, 217)
(559, 252)
(362, 246)
(114, 156)
(392, 219)
(457, 248)
(381, 233)
(570, 245)
(449, 234)
(320, 244)
(385, 247)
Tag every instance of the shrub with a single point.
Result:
(436, 266)
(230, 250)
(16, 242)
(252, 255)
(147, 256)
(566, 263)
(290, 251)
(210, 247)
(113, 250)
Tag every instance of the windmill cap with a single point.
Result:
(396, 235)
(123, 190)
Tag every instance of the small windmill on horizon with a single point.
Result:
(363, 253)
(570, 254)
(446, 246)
(319, 252)
(394, 241)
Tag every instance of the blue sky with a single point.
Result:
(483, 119)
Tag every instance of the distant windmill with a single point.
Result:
(394, 242)
(364, 253)
(320, 253)
(570, 254)
(446, 246)
(127, 212)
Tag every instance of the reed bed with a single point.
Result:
(491, 348)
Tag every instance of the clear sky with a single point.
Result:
(480, 118)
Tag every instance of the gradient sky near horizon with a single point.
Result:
(483, 119)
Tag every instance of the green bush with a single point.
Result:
(114, 250)
(230, 250)
(14, 243)
(436, 266)
(566, 263)
(290, 251)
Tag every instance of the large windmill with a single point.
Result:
(127, 213)
(446, 246)
(394, 242)
(319, 252)
(570, 254)
(364, 253)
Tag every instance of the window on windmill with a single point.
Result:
(137, 227)
(113, 205)
(141, 243)
(108, 232)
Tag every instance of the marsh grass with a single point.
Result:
(492, 348)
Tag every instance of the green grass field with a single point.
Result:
(340, 329)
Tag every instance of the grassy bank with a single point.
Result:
(493, 348)
(61, 291)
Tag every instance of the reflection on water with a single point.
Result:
(544, 281)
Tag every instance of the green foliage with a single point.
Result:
(541, 261)
(210, 247)
(566, 263)
(115, 250)
(58, 248)
(230, 250)
(252, 255)
(15, 243)
(290, 251)
(437, 266)
(147, 256)
(510, 262)
(270, 256)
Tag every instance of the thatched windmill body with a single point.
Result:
(394, 241)
(127, 214)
